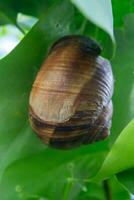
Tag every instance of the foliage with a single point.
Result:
(28, 168)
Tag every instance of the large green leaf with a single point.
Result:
(48, 174)
(17, 71)
(120, 156)
(53, 180)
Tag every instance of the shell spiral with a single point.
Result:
(70, 101)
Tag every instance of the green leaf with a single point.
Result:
(10, 9)
(118, 192)
(98, 12)
(48, 174)
(127, 179)
(121, 154)
(4, 19)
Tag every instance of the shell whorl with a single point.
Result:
(70, 101)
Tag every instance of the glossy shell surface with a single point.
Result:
(70, 101)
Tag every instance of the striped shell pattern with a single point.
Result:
(70, 101)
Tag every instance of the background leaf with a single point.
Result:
(123, 69)
(10, 9)
(99, 25)
(120, 10)
(127, 179)
(51, 168)
(97, 191)
(120, 156)
(98, 12)
(123, 102)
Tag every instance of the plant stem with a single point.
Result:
(107, 191)
(67, 189)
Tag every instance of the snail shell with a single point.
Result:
(70, 102)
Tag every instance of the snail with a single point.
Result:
(70, 101)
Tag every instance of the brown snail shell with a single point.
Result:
(70, 102)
